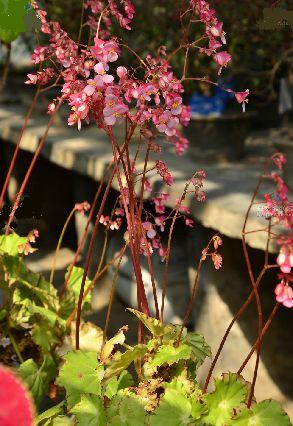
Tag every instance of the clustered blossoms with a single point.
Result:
(98, 90)
(280, 210)
(26, 248)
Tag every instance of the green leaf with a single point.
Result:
(51, 412)
(44, 336)
(200, 349)
(265, 413)
(121, 361)
(62, 421)
(118, 339)
(51, 317)
(80, 374)
(169, 354)
(197, 408)
(229, 393)
(90, 411)
(115, 384)
(38, 378)
(174, 410)
(9, 243)
(156, 327)
(126, 409)
(74, 285)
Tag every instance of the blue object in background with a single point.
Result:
(213, 105)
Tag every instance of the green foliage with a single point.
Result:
(265, 413)
(229, 393)
(80, 374)
(38, 378)
(95, 383)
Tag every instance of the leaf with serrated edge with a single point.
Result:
(229, 393)
(200, 349)
(174, 410)
(80, 374)
(90, 411)
(37, 378)
(170, 354)
(115, 384)
(265, 413)
(156, 327)
(121, 361)
(126, 409)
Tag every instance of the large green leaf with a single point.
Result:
(200, 349)
(174, 410)
(80, 374)
(38, 378)
(121, 361)
(168, 354)
(90, 411)
(126, 409)
(115, 384)
(265, 413)
(229, 393)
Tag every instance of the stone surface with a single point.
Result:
(229, 186)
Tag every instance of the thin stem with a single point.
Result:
(17, 148)
(31, 166)
(264, 330)
(59, 244)
(15, 347)
(112, 292)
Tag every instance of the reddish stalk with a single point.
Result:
(31, 166)
(17, 148)
(264, 330)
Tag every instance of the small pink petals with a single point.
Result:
(222, 58)
(151, 233)
(217, 260)
(241, 98)
(284, 294)
(164, 172)
(82, 207)
(121, 72)
(285, 259)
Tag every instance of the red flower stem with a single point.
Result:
(31, 166)
(264, 330)
(112, 292)
(88, 259)
(168, 251)
(133, 243)
(17, 148)
(90, 215)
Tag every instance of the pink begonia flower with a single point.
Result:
(119, 211)
(148, 226)
(160, 221)
(222, 58)
(241, 98)
(164, 172)
(51, 108)
(217, 31)
(82, 207)
(189, 222)
(217, 260)
(105, 51)
(166, 123)
(285, 260)
(284, 294)
(114, 109)
(282, 188)
(217, 242)
(279, 159)
(121, 72)
(32, 79)
(174, 102)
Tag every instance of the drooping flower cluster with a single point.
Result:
(280, 211)
(26, 248)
